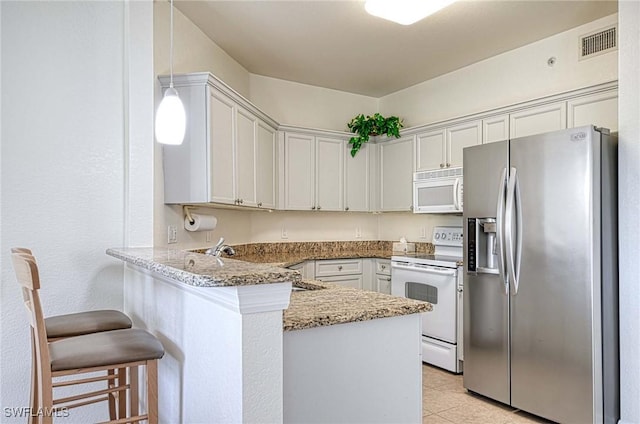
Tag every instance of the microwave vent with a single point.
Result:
(437, 174)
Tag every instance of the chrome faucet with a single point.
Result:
(219, 248)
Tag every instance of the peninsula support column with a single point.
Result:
(224, 347)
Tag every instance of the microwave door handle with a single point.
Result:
(500, 230)
(456, 200)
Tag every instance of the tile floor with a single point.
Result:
(445, 401)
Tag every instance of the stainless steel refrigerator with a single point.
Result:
(540, 281)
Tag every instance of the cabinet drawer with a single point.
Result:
(354, 281)
(338, 267)
(383, 266)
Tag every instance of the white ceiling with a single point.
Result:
(336, 44)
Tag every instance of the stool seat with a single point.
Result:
(80, 323)
(100, 349)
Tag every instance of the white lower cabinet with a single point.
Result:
(346, 272)
(307, 269)
(383, 276)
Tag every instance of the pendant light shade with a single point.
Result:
(171, 119)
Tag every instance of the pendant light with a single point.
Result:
(170, 117)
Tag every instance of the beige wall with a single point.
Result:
(193, 52)
(515, 76)
(308, 106)
(476, 88)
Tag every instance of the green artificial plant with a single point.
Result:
(365, 126)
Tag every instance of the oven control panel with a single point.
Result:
(447, 236)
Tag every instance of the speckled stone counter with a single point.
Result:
(292, 253)
(203, 270)
(325, 304)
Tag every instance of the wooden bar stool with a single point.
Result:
(123, 350)
(76, 324)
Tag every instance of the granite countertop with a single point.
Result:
(287, 259)
(321, 304)
(200, 270)
(329, 304)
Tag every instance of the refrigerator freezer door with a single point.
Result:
(556, 310)
(486, 305)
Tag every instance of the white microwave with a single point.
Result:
(438, 191)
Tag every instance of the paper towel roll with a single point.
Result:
(200, 222)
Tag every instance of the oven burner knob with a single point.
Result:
(437, 236)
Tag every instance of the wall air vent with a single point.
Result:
(599, 42)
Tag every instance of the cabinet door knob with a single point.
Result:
(319, 207)
(347, 208)
(237, 201)
(442, 165)
(448, 165)
(389, 279)
(241, 201)
(383, 266)
(260, 204)
(339, 267)
(411, 207)
(313, 208)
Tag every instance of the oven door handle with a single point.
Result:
(429, 270)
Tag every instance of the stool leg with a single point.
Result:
(122, 394)
(152, 391)
(33, 401)
(113, 395)
(134, 388)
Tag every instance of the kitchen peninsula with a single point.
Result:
(336, 354)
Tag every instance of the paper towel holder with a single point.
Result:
(187, 214)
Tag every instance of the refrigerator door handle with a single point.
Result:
(518, 258)
(508, 229)
(500, 208)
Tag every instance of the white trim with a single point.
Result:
(247, 299)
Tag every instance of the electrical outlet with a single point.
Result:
(285, 235)
(209, 236)
(358, 232)
(423, 232)
(172, 234)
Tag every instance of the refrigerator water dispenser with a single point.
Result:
(482, 246)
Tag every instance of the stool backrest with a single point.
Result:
(26, 270)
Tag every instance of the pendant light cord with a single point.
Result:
(171, 46)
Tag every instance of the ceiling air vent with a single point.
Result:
(599, 42)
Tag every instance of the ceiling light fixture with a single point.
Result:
(170, 117)
(405, 12)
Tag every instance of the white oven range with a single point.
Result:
(436, 279)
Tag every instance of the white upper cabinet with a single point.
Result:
(495, 128)
(221, 152)
(396, 174)
(431, 150)
(599, 109)
(313, 172)
(357, 178)
(459, 137)
(266, 169)
(228, 155)
(299, 172)
(538, 120)
(442, 148)
(246, 158)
